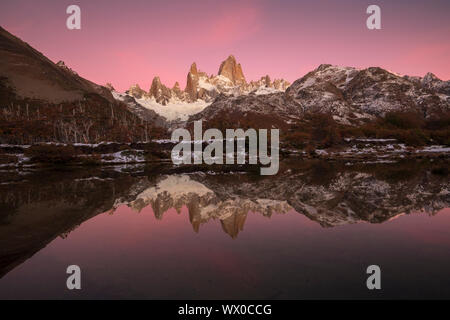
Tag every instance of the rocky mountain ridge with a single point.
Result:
(230, 80)
(352, 96)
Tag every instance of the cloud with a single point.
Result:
(234, 23)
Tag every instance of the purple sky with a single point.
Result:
(127, 42)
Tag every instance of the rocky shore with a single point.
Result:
(111, 153)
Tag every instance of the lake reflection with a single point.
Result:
(308, 232)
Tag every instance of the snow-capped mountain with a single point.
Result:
(201, 90)
(350, 95)
(432, 82)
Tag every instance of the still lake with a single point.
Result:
(157, 232)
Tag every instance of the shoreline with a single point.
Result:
(158, 152)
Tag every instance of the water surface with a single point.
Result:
(309, 232)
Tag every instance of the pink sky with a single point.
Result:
(127, 42)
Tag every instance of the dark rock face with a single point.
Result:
(192, 83)
(160, 92)
(136, 91)
(144, 113)
(256, 111)
(176, 91)
(432, 82)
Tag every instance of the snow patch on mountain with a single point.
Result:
(174, 110)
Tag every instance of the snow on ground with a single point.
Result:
(321, 152)
(122, 157)
(370, 140)
(22, 160)
(265, 90)
(394, 73)
(181, 110)
(435, 149)
(174, 110)
(92, 145)
(24, 146)
(205, 85)
(118, 95)
(308, 82)
(176, 186)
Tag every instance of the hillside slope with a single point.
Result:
(43, 101)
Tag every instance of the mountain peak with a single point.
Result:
(323, 66)
(62, 65)
(136, 91)
(156, 80)
(231, 58)
(160, 92)
(109, 86)
(193, 70)
(430, 77)
(232, 70)
(201, 86)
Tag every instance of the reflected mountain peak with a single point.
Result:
(170, 192)
(202, 203)
(331, 194)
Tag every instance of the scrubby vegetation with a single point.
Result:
(89, 121)
(7, 158)
(52, 154)
(322, 131)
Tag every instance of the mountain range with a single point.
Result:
(229, 80)
(350, 95)
(31, 84)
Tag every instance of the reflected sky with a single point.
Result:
(135, 255)
(206, 247)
